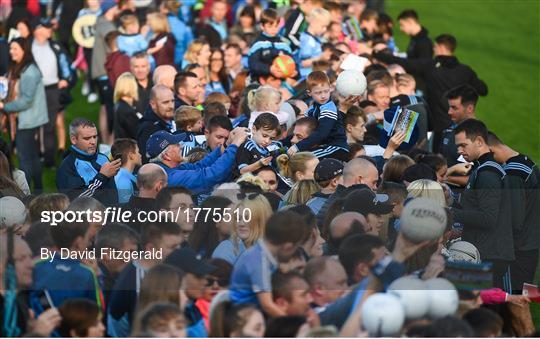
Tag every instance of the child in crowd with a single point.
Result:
(117, 62)
(128, 152)
(329, 139)
(255, 153)
(397, 194)
(310, 40)
(131, 41)
(189, 120)
(267, 46)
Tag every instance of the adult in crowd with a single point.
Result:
(27, 99)
(84, 171)
(164, 149)
(140, 68)
(158, 118)
(53, 64)
(126, 115)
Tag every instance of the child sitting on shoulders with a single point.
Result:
(256, 152)
(329, 139)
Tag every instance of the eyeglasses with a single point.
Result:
(250, 196)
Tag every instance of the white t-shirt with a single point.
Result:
(46, 61)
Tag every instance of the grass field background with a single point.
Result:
(498, 39)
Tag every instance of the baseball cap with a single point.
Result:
(364, 201)
(159, 141)
(419, 171)
(43, 22)
(328, 169)
(186, 259)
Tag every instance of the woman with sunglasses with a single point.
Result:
(245, 233)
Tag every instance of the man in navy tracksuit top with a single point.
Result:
(485, 203)
(523, 178)
(165, 149)
(329, 140)
(85, 172)
(267, 47)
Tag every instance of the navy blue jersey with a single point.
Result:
(330, 130)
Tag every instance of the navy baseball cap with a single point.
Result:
(365, 201)
(328, 169)
(186, 259)
(160, 140)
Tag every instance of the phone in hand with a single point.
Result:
(45, 300)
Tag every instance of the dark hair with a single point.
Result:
(38, 236)
(284, 327)
(309, 217)
(354, 148)
(493, 139)
(267, 121)
(15, 69)
(473, 128)
(214, 109)
(227, 318)
(435, 161)
(408, 14)
(180, 79)
(467, 93)
(153, 232)
(368, 14)
(366, 103)
(122, 147)
(223, 76)
(395, 191)
(395, 167)
(223, 270)
(164, 197)
(448, 41)
(77, 315)
(114, 235)
(449, 326)
(269, 15)
(357, 249)
(310, 122)
(205, 234)
(110, 38)
(65, 233)
(281, 284)
(484, 322)
(234, 46)
(279, 231)
(353, 113)
(248, 11)
(219, 121)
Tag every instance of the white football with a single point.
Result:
(413, 295)
(463, 251)
(443, 298)
(382, 315)
(12, 212)
(422, 219)
(351, 82)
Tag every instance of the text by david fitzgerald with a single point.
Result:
(103, 253)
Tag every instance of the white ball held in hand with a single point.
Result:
(413, 295)
(351, 82)
(443, 298)
(422, 219)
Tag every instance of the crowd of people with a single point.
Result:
(233, 108)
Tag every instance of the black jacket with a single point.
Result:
(420, 46)
(524, 185)
(485, 212)
(441, 74)
(148, 125)
(126, 120)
